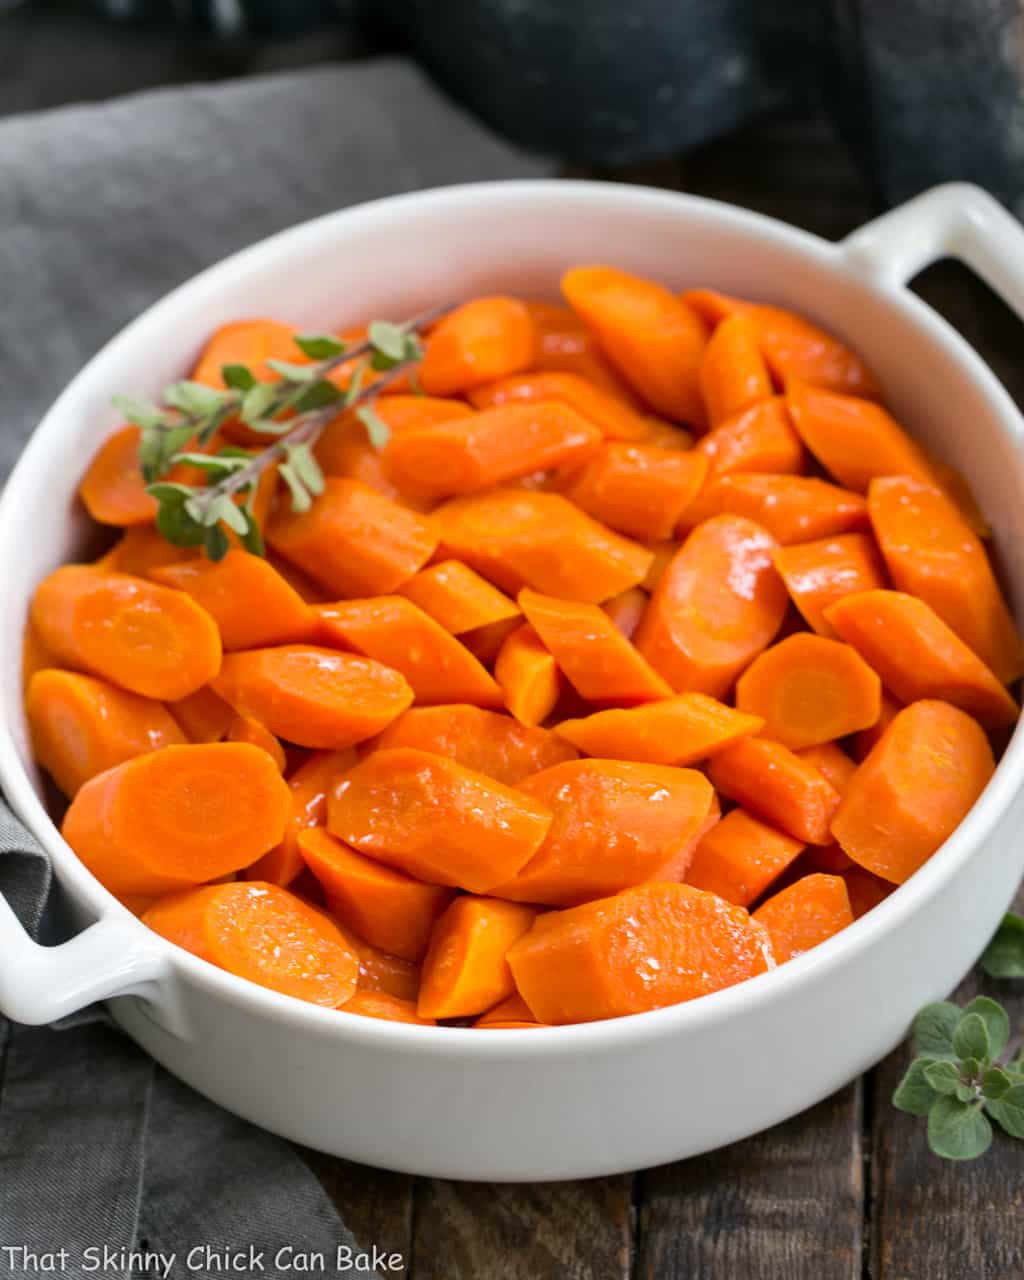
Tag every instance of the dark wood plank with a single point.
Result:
(376, 1205)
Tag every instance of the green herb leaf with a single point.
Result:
(301, 500)
(317, 395)
(252, 539)
(377, 430)
(958, 1130)
(942, 1076)
(194, 398)
(237, 377)
(271, 426)
(137, 409)
(970, 1038)
(172, 519)
(1008, 1111)
(997, 1024)
(933, 1030)
(995, 1082)
(216, 542)
(257, 401)
(216, 464)
(306, 468)
(913, 1093)
(1004, 955)
(319, 346)
(965, 1092)
(294, 372)
(387, 340)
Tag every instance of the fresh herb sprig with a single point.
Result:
(964, 1076)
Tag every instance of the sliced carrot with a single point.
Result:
(529, 676)
(302, 584)
(866, 739)
(81, 726)
(832, 763)
(34, 654)
(626, 609)
(918, 656)
(436, 820)
(652, 338)
(954, 485)
(521, 539)
(828, 858)
(458, 598)
(806, 913)
(718, 604)
(777, 786)
(388, 908)
(484, 643)
(484, 339)
(758, 438)
(740, 857)
(733, 374)
(809, 690)
(311, 696)
(138, 635)
(913, 789)
(176, 817)
(645, 948)
(819, 573)
(662, 552)
(465, 970)
(245, 729)
(248, 342)
(390, 975)
(389, 1008)
(354, 541)
(679, 730)
(606, 410)
(113, 488)
(616, 824)
(638, 489)
(203, 715)
(791, 508)
(492, 744)
(865, 890)
(143, 548)
(564, 344)
(508, 1013)
(931, 553)
(265, 934)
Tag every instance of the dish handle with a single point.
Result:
(956, 220)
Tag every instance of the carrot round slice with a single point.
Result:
(866, 739)
(740, 857)
(263, 933)
(733, 374)
(203, 716)
(638, 489)
(484, 339)
(865, 890)
(113, 488)
(458, 598)
(778, 786)
(819, 573)
(177, 817)
(388, 974)
(791, 508)
(465, 970)
(805, 914)
(245, 729)
(626, 609)
(379, 1004)
(832, 763)
(563, 344)
(529, 676)
(606, 410)
(758, 438)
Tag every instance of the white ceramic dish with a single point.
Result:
(575, 1101)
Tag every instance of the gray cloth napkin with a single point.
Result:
(102, 210)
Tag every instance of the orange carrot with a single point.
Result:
(245, 729)
(484, 339)
(758, 438)
(777, 786)
(508, 1014)
(918, 656)
(300, 583)
(817, 574)
(176, 817)
(484, 643)
(828, 858)
(626, 609)
(931, 553)
(648, 947)
(492, 744)
(563, 344)
(354, 541)
(146, 638)
(113, 488)
(203, 715)
(865, 890)
(804, 914)
(81, 726)
(457, 597)
(616, 824)
(733, 375)
(143, 548)
(866, 739)
(913, 789)
(435, 820)
(34, 654)
(958, 491)
(832, 763)
(791, 508)
(719, 602)
(465, 970)
(390, 975)
(606, 410)
(809, 690)
(638, 489)
(662, 552)
(654, 340)
(389, 909)
(248, 342)
(740, 857)
(529, 676)
(263, 933)
(378, 1004)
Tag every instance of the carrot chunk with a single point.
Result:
(389, 1008)
(918, 656)
(778, 786)
(203, 716)
(733, 374)
(34, 654)
(390, 975)
(263, 933)
(913, 789)
(564, 344)
(740, 857)
(819, 573)
(113, 488)
(717, 605)
(615, 419)
(529, 676)
(865, 890)
(638, 489)
(507, 1014)
(791, 508)
(458, 598)
(465, 970)
(758, 438)
(484, 339)
(832, 763)
(645, 948)
(245, 729)
(799, 917)
(143, 637)
(176, 817)
(311, 696)
(248, 342)
(662, 552)
(866, 739)
(626, 609)
(435, 820)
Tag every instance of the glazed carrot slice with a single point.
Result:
(854, 439)
(804, 914)
(311, 696)
(496, 745)
(777, 786)
(390, 975)
(379, 1004)
(913, 789)
(245, 729)
(113, 488)
(832, 763)
(740, 857)
(484, 339)
(827, 858)
(308, 785)
(394, 631)
(590, 651)
(564, 344)
(465, 970)
(638, 489)
(954, 485)
(436, 820)
(81, 726)
(662, 552)
(203, 715)
(606, 410)
(819, 573)
(300, 583)
(717, 605)
(387, 908)
(248, 599)
(791, 508)
(465, 455)
(809, 690)
(651, 337)
(626, 609)
(143, 637)
(143, 548)
(353, 541)
(645, 948)
(248, 342)
(866, 739)
(484, 643)
(679, 730)
(34, 654)
(931, 553)
(176, 817)
(865, 890)
(733, 374)
(458, 598)
(616, 824)
(508, 1014)
(758, 438)
(541, 540)
(918, 656)
(263, 933)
